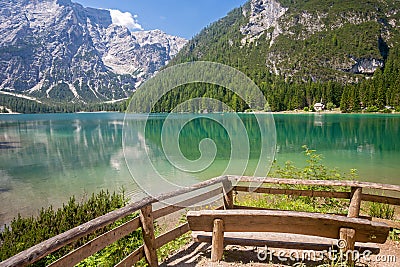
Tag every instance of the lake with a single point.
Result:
(46, 158)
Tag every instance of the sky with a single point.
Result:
(184, 18)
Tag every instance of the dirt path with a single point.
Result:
(198, 254)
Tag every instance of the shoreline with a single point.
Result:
(292, 112)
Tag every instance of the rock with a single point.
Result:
(48, 47)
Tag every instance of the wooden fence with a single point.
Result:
(220, 186)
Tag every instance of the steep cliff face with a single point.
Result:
(263, 15)
(59, 50)
(302, 40)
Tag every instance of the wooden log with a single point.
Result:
(390, 223)
(348, 235)
(217, 246)
(346, 244)
(97, 244)
(138, 254)
(132, 258)
(294, 192)
(306, 223)
(381, 199)
(281, 240)
(228, 194)
(44, 248)
(172, 235)
(355, 202)
(149, 240)
(186, 203)
(268, 180)
(257, 208)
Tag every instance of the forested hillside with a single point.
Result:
(343, 53)
(22, 105)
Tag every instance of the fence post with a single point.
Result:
(217, 246)
(146, 219)
(228, 194)
(347, 234)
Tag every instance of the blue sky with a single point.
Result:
(183, 18)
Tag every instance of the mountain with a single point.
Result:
(300, 52)
(60, 51)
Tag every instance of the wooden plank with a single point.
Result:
(97, 244)
(294, 222)
(172, 235)
(257, 208)
(381, 199)
(390, 223)
(217, 244)
(228, 194)
(132, 258)
(186, 203)
(293, 192)
(268, 180)
(44, 248)
(138, 254)
(281, 240)
(149, 240)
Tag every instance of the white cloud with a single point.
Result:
(125, 19)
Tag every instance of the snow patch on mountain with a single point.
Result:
(58, 49)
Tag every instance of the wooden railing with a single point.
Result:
(223, 189)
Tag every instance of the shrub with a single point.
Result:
(379, 210)
(330, 106)
(372, 109)
(312, 171)
(24, 233)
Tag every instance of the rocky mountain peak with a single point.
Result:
(60, 50)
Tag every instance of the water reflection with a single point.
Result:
(45, 159)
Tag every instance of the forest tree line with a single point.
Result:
(372, 94)
(22, 105)
(379, 92)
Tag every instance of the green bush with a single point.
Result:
(24, 233)
(372, 109)
(386, 110)
(330, 106)
(314, 170)
(379, 210)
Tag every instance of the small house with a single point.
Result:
(319, 106)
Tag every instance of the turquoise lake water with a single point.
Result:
(46, 158)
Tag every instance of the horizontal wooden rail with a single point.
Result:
(48, 246)
(119, 232)
(293, 192)
(268, 180)
(317, 193)
(186, 203)
(97, 244)
(43, 249)
(172, 235)
(381, 199)
(132, 258)
(163, 239)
